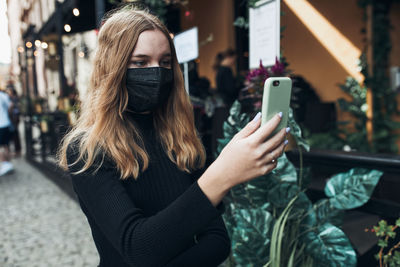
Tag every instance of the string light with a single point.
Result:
(76, 12)
(67, 27)
(35, 53)
(28, 44)
(38, 43)
(44, 45)
(20, 49)
(81, 54)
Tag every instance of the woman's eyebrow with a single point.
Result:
(141, 56)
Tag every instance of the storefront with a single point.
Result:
(56, 61)
(55, 64)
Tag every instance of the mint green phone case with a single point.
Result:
(276, 98)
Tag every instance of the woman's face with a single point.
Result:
(152, 50)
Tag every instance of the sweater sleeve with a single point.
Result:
(212, 248)
(142, 241)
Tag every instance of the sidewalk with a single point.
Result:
(39, 224)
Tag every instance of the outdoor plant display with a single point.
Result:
(388, 255)
(270, 219)
(350, 134)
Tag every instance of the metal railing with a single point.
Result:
(385, 200)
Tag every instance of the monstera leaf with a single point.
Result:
(285, 171)
(295, 131)
(352, 189)
(280, 196)
(236, 121)
(230, 223)
(257, 189)
(327, 213)
(251, 237)
(329, 247)
(222, 143)
(240, 197)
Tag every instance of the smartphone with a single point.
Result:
(276, 98)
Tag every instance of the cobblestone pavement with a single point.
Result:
(39, 224)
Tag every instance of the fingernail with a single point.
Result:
(280, 114)
(286, 142)
(257, 117)
(287, 129)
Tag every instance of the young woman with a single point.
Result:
(135, 159)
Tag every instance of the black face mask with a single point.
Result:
(148, 88)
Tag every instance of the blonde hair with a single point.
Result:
(103, 127)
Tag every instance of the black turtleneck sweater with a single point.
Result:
(162, 218)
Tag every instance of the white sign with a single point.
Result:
(187, 45)
(264, 24)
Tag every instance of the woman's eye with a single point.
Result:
(166, 63)
(138, 63)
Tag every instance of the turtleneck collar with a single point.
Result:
(142, 120)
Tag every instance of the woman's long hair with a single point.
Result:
(104, 128)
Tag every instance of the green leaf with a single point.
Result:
(292, 254)
(235, 122)
(222, 143)
(382, 243)
(295, 131)
(257, 189)
(386, 259)
(379, 231)
(282, 193)
(280, 196)
(239, 196)
(396, 257)
(251, 237)
(398, 222)
(330, 247)
(285, 170)
(383, 225)
(277, 235)
(391, 234)
(229, 130)
(352, 189)
(327, 213)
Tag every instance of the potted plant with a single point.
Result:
(270, 219)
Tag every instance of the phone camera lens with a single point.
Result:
(275, 83)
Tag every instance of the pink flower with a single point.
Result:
(260, 73)
(278, 68)
(254, 83)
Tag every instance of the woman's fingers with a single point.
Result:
(272, 156)
(269, 167)
(274, 142)
(266, 130)
(251, 127)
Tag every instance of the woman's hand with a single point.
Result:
(249, 154)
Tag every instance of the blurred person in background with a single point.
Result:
(5, 125)
(136, 161)
(14, 117)
(226, 82)
(227, 89)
